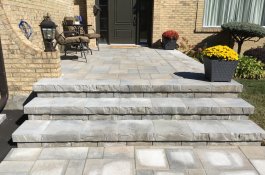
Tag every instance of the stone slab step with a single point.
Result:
(39, 131)
(139, 106)
(156, 85)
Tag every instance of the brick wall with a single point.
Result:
(25, 60)
(84, 8)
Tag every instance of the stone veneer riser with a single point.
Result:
(111, 144)
(137, 117)
(138, 95)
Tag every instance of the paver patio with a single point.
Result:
(131, 63)
(136, 160)
(115, 103)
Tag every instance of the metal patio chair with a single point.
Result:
(79, 43)
(70, 27)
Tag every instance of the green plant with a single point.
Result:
(258, 53)
(249, 68)
(242, 31)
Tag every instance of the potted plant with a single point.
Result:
(220, 63)
(169, 40)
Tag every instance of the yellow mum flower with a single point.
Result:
(221, 52)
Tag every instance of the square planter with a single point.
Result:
(219, 70)
(169, 44)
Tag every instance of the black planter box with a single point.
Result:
(169, 44)
(219, 70)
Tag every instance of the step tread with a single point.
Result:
(132, 130)
(187, 106)
(139, 85)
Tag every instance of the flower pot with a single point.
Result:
(219, 70)
(169, 44)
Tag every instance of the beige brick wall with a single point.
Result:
(25, 60)
(186, 17)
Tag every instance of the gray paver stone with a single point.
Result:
(23, 154)
(15, 166)
(151, 159)
(75, 167)
(253, 152)
(109, 167)
(182, 159)
(95, 153)
(64, 153)
(223, 159)
(49, 167)
(259, 165)
(119, 152)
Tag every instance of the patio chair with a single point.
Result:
(68, 21)
(77, 42)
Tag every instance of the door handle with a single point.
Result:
(134, 20)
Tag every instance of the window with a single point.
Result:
(218, 12)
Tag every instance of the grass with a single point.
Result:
(254, 93)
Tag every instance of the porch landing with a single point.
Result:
(132, 63)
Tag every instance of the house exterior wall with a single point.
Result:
(25, 60)
(186, 17)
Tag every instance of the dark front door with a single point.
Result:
(122, 21)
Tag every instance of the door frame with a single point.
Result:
(137, 39)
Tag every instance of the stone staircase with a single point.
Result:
(137, 112)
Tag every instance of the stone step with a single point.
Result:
(188, 131)
(138, 106)
(135, 88)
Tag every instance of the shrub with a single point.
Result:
(171, 34)
(249, 68)
(258, 53)
(242, 31)
(221, 52)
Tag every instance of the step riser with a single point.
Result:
(139, 111)
(111, 144)
(139, 95)
(137, 117)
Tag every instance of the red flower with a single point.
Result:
(171, 34)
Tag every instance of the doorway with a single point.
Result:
(125, 21)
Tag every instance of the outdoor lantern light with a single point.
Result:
(48, 28)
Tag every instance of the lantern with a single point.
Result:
(48, 28)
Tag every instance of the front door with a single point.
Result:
(122, 21)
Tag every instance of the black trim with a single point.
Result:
(3, 80)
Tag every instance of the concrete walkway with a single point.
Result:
(131, 63)
(242, 160)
